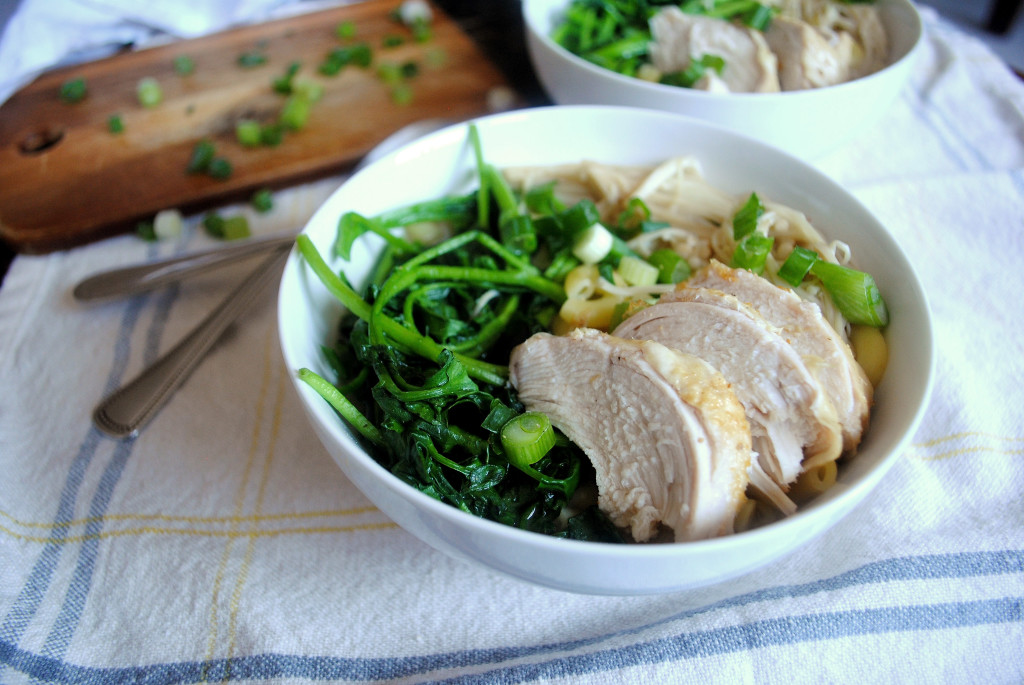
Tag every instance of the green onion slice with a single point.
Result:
(73, 90)
(183, 65)
(752, 252)
(149, 92)
(745, 220)
(249, 132)
(202, 154)
(797, 265)
(527, 438)
(854, 293)
(672, 268)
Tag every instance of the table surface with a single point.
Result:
(223, 543)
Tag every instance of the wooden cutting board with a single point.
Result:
(65, 179)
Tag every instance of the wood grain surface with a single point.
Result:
(65, 179)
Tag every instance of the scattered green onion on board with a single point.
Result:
(183, 65)
(262, 200)
(149, 92)
(248, 60)
(73, 90)
(203, 153)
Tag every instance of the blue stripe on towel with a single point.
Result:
(64, 627)
(1017, 178)
(31, 595)
(768, 633)
(685, 645)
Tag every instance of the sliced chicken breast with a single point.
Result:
(806, 57)
(790, 417)
(824, 352)
(667, 437)
(679, 38)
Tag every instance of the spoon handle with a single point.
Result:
(129, 408)
(133, 280)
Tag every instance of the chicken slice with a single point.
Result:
(871, 39)
(825, 353)
(679, 38)
(790, 417)
(807, 59)
(667, 437)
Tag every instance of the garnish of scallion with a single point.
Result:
(527, 438)
(149, 92)
(672, 268)
(854, 293)
(745, 220)
(797, 265)
(752, 252)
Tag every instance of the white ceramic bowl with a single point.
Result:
(442, 163)
(806, 123)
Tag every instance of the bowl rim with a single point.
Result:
(845, 497)
(661, 89)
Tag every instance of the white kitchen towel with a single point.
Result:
(223, 544)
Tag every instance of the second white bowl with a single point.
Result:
(807, 123)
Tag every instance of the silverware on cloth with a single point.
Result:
(134, 280)
(127, 409)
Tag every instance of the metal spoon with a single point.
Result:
(124, 412)
(134, 280)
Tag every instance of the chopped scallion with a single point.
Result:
(283, 84)
(593, 244)
(262, 200)
(854, 293)
(249, 133)
(219, 168)
(213, 224)
(797, 265)
(144, 229)
(236, 228)
(168, 224)
(248, 60)
(230, 228)
(636, 271)
(149, 92)
(184, 65)
(202, 154)
(672, 267)
(73, 90)
(401, 94)
(579, 217)
(744, 221)
(752, 252)
(345, 30)
(527, 438)
(295, 113)
(271, 135)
